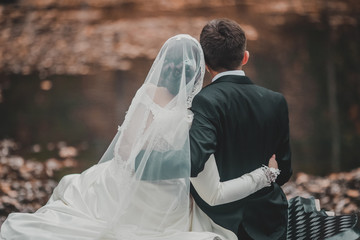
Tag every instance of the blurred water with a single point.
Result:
(80, 111)
(80, 66)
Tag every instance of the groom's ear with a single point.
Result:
(207, 68)
(245, 58)
(211, 71)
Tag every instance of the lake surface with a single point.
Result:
(76, 91)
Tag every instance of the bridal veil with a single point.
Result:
(151, 153)
(140, 189)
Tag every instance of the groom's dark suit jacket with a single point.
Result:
(243, 125)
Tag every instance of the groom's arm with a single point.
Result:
(202, 134)
(283, 152)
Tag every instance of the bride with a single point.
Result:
(140, 189)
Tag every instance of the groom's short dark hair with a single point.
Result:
(224, 43)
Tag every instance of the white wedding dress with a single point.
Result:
(140, 188)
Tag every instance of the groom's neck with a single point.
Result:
(213, 73)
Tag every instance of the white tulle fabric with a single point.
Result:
(151, 162)
(140, 188)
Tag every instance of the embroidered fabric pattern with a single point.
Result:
(270, 173)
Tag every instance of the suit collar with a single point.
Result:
(234, 79)
(230, 72)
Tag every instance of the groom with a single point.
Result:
(242, 124)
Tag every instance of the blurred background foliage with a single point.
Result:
(69, 69)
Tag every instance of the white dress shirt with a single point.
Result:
(232, 72)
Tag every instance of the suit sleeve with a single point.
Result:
(202, 134)
(283, 152)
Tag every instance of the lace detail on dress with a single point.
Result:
(160, 143)
(196, 89)
(166, 139)
(270, 173)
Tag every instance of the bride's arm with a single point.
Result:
(214, 192)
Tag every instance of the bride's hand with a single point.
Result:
(273, 163)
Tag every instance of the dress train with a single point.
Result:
(82, 204)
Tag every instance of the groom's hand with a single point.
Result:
(273, 163)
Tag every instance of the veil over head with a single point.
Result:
(150, 154)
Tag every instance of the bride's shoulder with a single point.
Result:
(159, 95)
(149, 88)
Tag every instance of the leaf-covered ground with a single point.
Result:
(26, 185)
